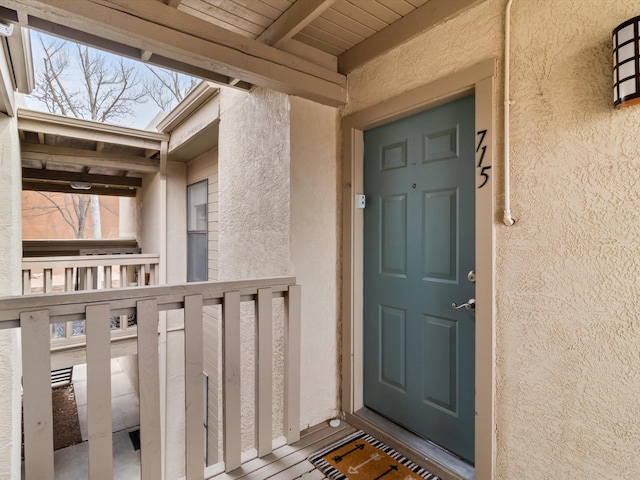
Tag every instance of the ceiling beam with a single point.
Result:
(294, 19)
(66, 188)
(88, 158)
(173, 3)
(423, 18)
(41, 175)
(188, 40)
(51, 124)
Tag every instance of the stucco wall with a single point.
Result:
(314, 252)
(568, 336)
(253, 167)
(278, 216)
(254, 185)
(10, 272)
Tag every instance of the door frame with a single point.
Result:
(479, 79)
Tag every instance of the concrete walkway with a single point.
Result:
(71, 463)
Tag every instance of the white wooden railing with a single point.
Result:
(35, 314)
(87, 272)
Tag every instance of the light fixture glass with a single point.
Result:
(626, 63)
(6, 29)
(80, 185)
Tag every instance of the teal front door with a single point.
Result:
(419, 241)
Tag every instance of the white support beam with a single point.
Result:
(190, 43)
(7, 98)
(87, 158)
(47, 123)
(56, 176)
(423, 18)
(294, 19)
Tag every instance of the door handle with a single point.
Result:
(470, 305)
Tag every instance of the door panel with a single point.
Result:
(419, 246)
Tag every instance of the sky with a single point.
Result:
(143, 114)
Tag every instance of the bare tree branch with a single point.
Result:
(168, 88)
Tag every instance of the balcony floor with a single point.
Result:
(290, 461)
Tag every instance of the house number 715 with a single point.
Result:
(483, 150)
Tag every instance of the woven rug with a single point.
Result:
(362, 457)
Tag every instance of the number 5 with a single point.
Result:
(484, 174)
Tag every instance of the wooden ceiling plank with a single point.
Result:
(297, 17)
(328, 38)
(349, 23)
(280, 5)
(33, 152)
(401, 7)
(337, 31)
(34, 174)
(62, 188)
(426, 17)
(239, 10)
(378, 9)
(222, 17)
(360, 15)
(417, 3)
(260, 8)
(315, 43)
(190, 10)
(150, 25)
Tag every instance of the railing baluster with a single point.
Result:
(264, 369)
(107, 276)
(193, 366)
(68, 287)
(47, 286)
(99, 392)
(38, 417)
(141, 274)
(26, 282)
(231, 371)
(88, 278)
(123, 276)
(149, 379)
(153, 280)
(292, 365)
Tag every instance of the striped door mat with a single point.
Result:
(362, 457)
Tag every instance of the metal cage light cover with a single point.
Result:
(626, 63)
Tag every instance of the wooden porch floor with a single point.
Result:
(290, 461)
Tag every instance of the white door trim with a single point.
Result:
(480, 80)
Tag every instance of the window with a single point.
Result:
(197, 265)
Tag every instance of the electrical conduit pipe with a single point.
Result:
(507, 218)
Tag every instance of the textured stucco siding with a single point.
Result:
(314, 241)
(254, 185)
(278, 216)
(254, 228)
(568, 328)
(10, 274)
